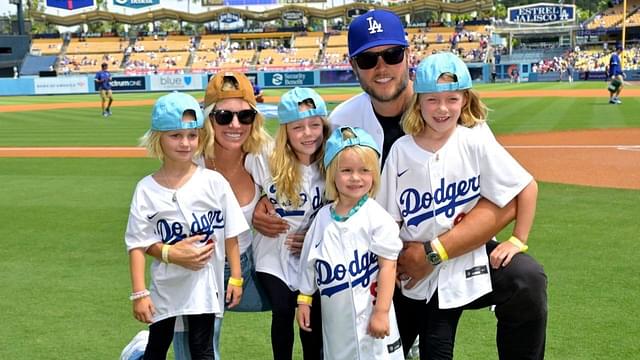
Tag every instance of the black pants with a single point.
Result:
(200, 337)
(520, 296)
(283, 314)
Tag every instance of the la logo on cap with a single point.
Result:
(374, 26)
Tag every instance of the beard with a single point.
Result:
(393, 95)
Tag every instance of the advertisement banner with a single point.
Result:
(288, 79)
(338, 77)
(176, 82)
(61, 85)
(69, 4)
(125, 83)
(541, 14)
(135, 4)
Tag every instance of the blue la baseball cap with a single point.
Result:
(435, 65)
(168, 111)
(337, 143)
(289, 102)
(375, 28)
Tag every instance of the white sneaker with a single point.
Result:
(135, 348)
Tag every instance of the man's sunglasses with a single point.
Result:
(368, 60)
(225, 117)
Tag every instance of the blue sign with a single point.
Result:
(541, 14)
(288, 79)
(338, 76)
(126, 83)
(136, 4)
(69, 4)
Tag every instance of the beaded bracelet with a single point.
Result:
(305, 299)
(139, 294)
(236, 282)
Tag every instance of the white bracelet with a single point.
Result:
(139, 294)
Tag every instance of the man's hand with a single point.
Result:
(266, 221)
(412, 264)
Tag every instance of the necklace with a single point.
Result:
(175, 185)
(353, 210)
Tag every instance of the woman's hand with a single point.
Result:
(187, 254)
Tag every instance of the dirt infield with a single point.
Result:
(603, 158)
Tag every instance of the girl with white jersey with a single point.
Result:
(292, 179)
(349, 256)
(235, 129)
(437, 173)
(180, 201)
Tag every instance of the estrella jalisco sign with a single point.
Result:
(541, 14)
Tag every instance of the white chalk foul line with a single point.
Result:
(618, 147)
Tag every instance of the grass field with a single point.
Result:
(65, 281)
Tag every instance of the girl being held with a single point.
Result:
(433, 176)
(181, 202)
(349, 256)
(291, 176)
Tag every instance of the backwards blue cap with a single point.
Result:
(337, 143)
(290, 101)
(435, 65)
(375, 28)
(168, 111)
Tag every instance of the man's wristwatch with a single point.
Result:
(433, 257)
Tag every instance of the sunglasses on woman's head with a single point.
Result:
(369, 59)
(225, 117)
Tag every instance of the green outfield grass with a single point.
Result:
(65, 277)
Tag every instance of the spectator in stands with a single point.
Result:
(103, 79)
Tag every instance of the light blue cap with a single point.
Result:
(435, 65)
(289, 102)
(168, 111)
(337, 143)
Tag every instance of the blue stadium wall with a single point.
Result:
(84, 84)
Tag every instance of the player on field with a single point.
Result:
(103, 80)
(349, 255)
(178, 202)
(617, 76)
(292, 178)
(437, 173)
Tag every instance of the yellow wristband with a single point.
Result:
(165, 253)
(515, 241)
(236, 282)
(437, 246)
(305, 299)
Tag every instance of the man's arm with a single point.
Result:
(483, 222)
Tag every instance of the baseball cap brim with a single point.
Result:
(377, 43)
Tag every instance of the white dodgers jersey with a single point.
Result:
(272, 255)
(340, 260)
(204, 205)
(431, 192)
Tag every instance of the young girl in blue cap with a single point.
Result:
(349, 256)
(291, 175)
(178, 202)
(433, 176)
